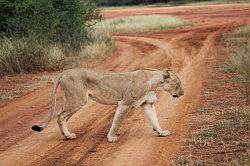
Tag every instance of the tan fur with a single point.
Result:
(124, 89)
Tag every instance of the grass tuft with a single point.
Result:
(184, 160)
(150, 23)
(27, 54)
(236, 119)
(238, 47)
(100, 44)
(203, 111)
(238, 114)
(207, 134)
(21, 55)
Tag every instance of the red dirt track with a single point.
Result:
(187, 51)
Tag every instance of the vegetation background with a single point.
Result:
(160, 2)
(35, 33)
(38, 35)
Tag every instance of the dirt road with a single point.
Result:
(187, 51)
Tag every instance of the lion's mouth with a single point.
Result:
(175, 96)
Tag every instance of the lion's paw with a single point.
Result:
(112, 139)
(71, 136)
(164, 133)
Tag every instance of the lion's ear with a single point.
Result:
(166, 74)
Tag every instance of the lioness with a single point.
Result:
(125, 89)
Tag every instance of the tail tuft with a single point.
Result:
(37, 128)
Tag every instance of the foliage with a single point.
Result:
(35, 34)
(62, 21)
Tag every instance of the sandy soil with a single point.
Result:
(186, 51)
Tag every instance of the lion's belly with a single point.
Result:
(106, 97)
(149, 98)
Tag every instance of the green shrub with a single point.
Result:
(73, 19)
(62, 21)
(33, 33)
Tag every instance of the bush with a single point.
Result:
(33, 33)
(62, 21)
(20, 55)
(73, 19)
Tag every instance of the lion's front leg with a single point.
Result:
(119, 116)
(150, 112)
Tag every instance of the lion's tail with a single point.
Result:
(53, 107)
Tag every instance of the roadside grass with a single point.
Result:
(224, 137)
(186, 160)
(20, 55)
(204, 111)
(237, 45)
(220, 128)
(100, 44)
(177, 3)
(189, 160)
(135, 24)
(215, 2)
(239, 115)
(235, 119)
(207, 134)
(27, 54)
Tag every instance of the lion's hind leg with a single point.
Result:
(67, 111)
(62, 122)
(73, 101)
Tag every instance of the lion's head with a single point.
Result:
(172, 84)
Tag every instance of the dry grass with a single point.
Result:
(95, 50)
(185, 160)
(220, 128)
(21, 55)
(133, 24)
(26, 55)
(215, 2)
(178, 3)
(101, 42)
(223, 141)
(238, 47)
